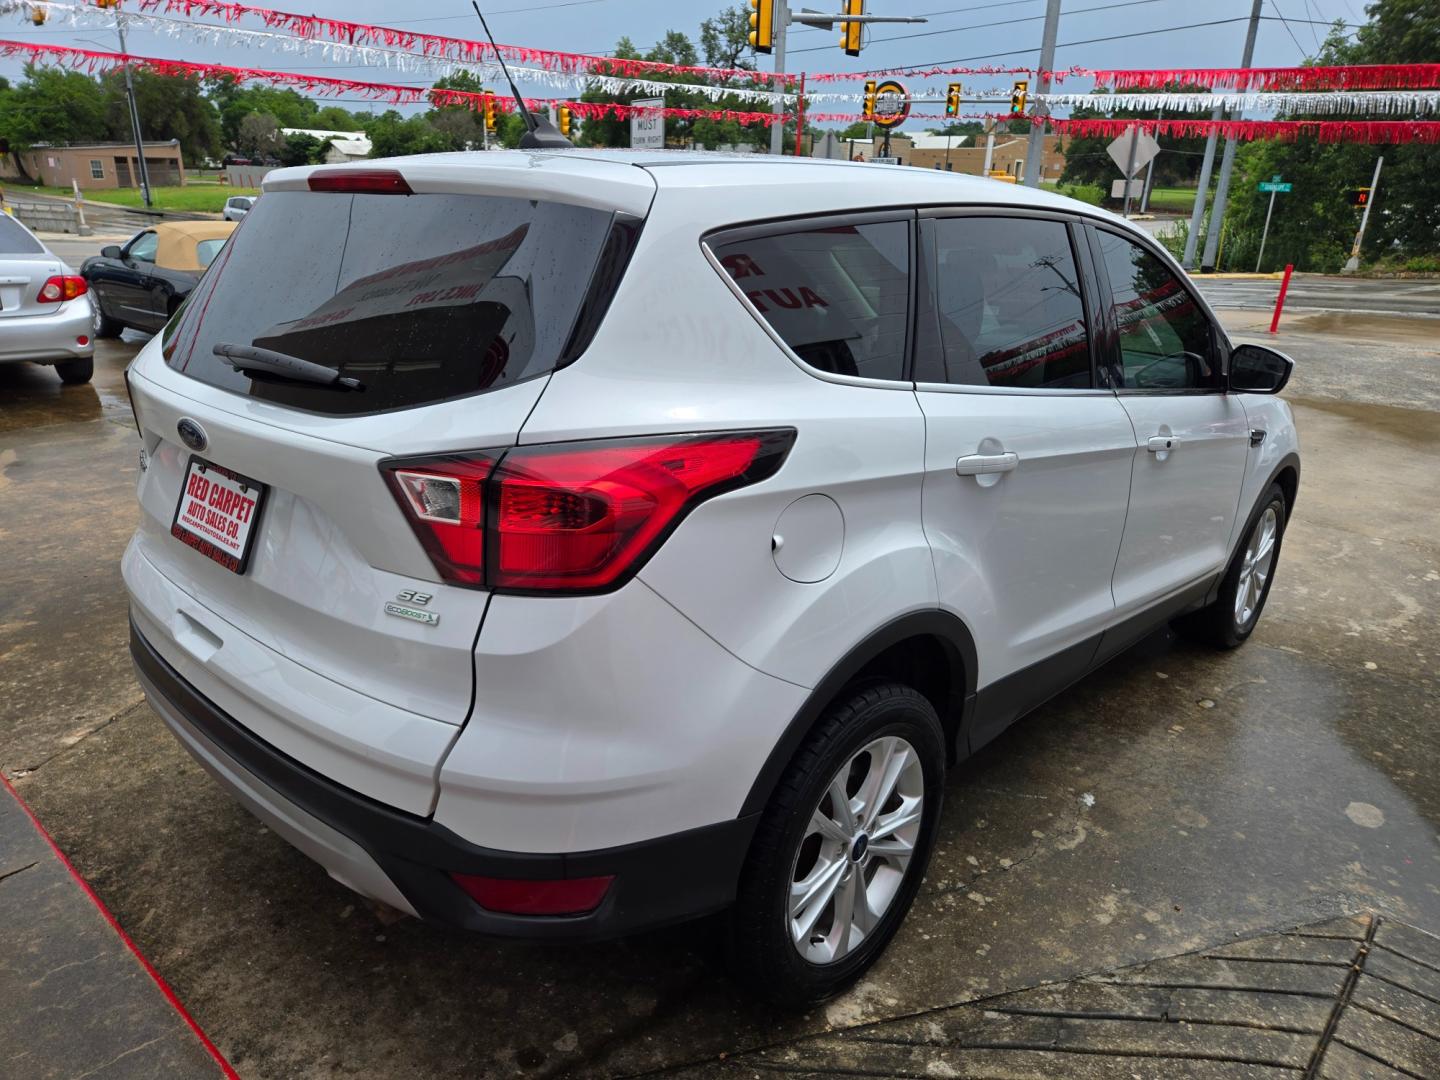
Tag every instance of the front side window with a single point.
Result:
(97, 169)
(142, 248)
(206, 250)
(1165, 339)
(838, 295)
(1008, 303)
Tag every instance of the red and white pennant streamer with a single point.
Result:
(1384, 132)
(95, 61)
(1353, 77)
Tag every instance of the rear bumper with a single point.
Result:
(48, 338)
(405, 860)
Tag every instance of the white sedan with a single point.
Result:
(44, 312)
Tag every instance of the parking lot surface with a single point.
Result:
(1175, 802)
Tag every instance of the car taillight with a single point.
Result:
(61, 288)
(572, 517)
(513, 896)
(361, 182)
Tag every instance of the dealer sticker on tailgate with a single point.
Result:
(217, 513)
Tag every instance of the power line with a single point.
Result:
(927, 14)
(984, 26)
(1286, 22)
(506, 11)
(1069, 44)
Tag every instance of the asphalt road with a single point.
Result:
(1315, 292)
(1171, 802)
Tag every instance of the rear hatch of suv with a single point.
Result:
(274, 567)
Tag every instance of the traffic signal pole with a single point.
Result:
(1353, 263)
(777, 129)
(1035, 147)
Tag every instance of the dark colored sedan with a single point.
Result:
(141, 284)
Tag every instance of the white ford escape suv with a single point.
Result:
(560, 544)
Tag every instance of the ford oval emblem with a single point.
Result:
(192, 434)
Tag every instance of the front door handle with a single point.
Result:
(985, 464)
(1160, 444)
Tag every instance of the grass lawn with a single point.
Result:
(1178, 200)
(192, 197)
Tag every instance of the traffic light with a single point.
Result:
(1358, 196)
(564, 120)
(952, 99)
(1018, 97)
(850, 31)
(38, 16)
(762, 25)
(489, 110)
(868, 110)
(107, 3)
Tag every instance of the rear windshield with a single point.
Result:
(16, 241)
(420, 297)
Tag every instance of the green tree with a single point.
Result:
(235, 102)
(334, 118)
(725, 39)
(393, 135)
(170, 107)
(259, 136)
(299, 149)
(1314, 225)
(52, 106)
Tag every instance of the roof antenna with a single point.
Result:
(540, 133)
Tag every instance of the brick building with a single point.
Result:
(955, 153)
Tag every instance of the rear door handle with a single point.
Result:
(984, 464)
(1159, 444)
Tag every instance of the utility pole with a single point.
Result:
(1197, 215)
(1035, 148)
(989, 147)
(777, 129)
(1130, 167)
(1227, 161)
(1353, 263)
(144, 172)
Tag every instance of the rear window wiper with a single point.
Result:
(248, 358)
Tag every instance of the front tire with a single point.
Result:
(72, 372)
(842, 847)
(1231, 619)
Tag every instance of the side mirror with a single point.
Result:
(1257, 369)
(110, 251)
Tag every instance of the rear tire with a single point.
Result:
(76, 371)
(813, 859)
(1230, 620)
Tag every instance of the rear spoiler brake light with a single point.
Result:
(361, 181)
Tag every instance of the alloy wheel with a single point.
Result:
(1255, 567)
(856, 850)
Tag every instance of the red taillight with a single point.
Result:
(576, 517)
(361, 182)
(513, 896)
(61, 288)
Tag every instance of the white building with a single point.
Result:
(344, 145)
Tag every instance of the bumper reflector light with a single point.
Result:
(516, 896)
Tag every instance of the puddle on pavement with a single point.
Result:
(1411, 425)
(1398, 328)
(32, 395)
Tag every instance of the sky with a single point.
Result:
(1001, 32)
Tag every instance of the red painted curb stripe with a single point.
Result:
(210, 1047)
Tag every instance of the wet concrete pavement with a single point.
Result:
(1172, 802)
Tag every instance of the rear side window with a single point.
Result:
(1008, 306)
(14, 240)
(422, 298)
(837, 295)
(206, 250)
